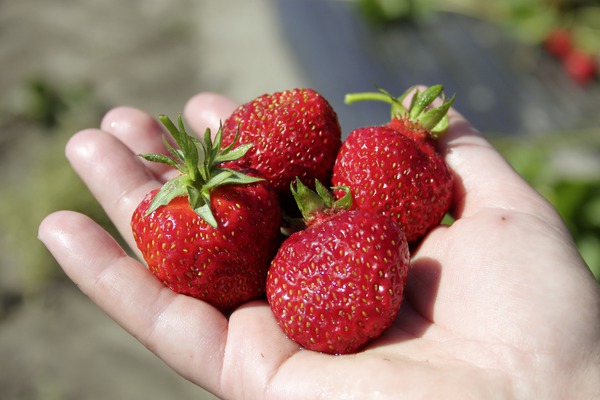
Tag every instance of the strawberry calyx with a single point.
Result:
(198, 162)
(421, 112)
(320, 204)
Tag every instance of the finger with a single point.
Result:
(140, 132)
(207, 110)
(484, 179)
(113, 173)
(189, 335)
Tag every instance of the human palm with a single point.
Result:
(498, 305)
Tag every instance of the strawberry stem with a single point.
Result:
(311, 202)
(198, 161)
(351, 98)
(420, 110)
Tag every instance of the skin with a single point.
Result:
(498, 306)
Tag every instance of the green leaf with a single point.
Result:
(194, 197)
(177, 154)
(159, 158)
(436, 119)
(233, 143)
(234, 154)
(219, 177)
(198, 162)
(174, 188)
(310, 201)
(591, 211)
(398, 109)
(181, 127)
(226, 176)
(206, 147)
(325, 194)
(307, 200)
(200, 203)
(206, 214)
(191, 158)
(166, 121)
(188, 152)
(344, 202)
(422, 100)
(215, 144)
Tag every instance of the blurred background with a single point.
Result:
(524, 71)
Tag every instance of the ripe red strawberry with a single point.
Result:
(338, 284)
(198, 233)
(294, 133)
(581, 66)
(395, 169)
(559, 42)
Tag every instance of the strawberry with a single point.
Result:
(394, 169)
(338, 283)
(294, 133)
(559, 42)
(198, 232)
(581, 66)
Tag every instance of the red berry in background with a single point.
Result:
(559, 42)
(581, 66)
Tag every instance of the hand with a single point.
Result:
(498, 305)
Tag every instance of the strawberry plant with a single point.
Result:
(567, 29)
(338, 283)
(198, 233)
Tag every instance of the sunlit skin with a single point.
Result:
(498, 306)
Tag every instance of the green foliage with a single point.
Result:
(41, 180)
(565, 169)
(381, 12)
(199, 163)
(529, 20)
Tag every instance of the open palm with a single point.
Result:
(498, 305)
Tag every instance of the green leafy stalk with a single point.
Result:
(420, 110)
(310, 202)
(198, 161)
